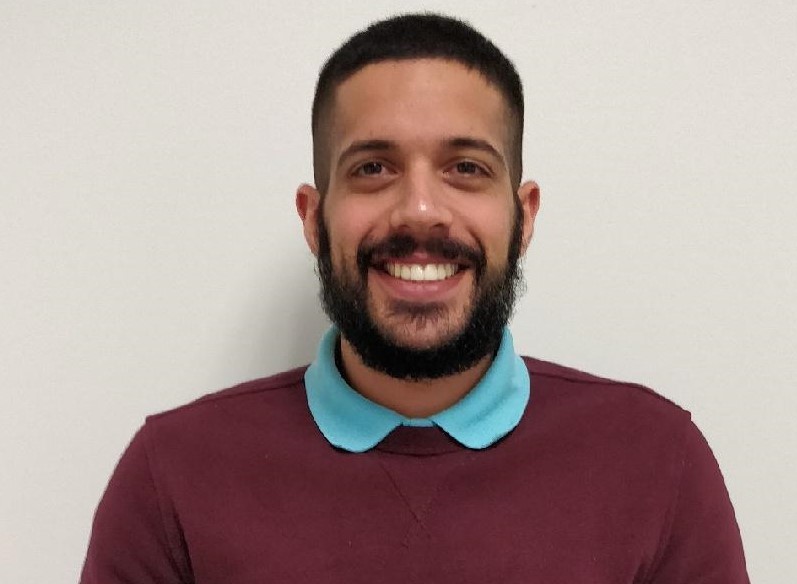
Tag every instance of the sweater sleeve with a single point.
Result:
(130, 540)
(703, 545)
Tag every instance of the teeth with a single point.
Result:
(418, 273)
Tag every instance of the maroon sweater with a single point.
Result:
(602, 482)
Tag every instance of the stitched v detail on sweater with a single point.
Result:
(418, 485)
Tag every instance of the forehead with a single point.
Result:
(415, 101)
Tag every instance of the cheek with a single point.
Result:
(348, 227)
(492, 226)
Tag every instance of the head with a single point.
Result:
(418, 218)
(412, 37)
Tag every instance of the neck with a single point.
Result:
(413, 399)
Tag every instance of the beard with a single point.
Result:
(344, 297)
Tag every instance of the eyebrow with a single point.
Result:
(476, 144)
(387, 145)
(365, 146)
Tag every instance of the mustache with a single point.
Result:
(397, 246)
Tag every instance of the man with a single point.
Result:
(418, 446)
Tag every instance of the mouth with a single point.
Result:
(419, 279)
(414, 272)
(404, 263)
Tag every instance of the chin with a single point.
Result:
(420, 334)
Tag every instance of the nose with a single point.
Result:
(421, 203)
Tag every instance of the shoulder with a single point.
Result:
(615, 431)
(562, 381)
(597, 410)
(224, 429)
(262, 402)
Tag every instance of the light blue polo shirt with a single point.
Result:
(352, 422)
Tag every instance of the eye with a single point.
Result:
(468, 167)
(468, 174)
(370, 168)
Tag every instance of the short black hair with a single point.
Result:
(417, 36)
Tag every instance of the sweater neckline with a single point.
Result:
(419, 441)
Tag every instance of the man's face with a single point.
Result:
(419, 234)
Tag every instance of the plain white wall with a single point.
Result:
(150, 253)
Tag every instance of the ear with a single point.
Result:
(529, 195)
(308, 202)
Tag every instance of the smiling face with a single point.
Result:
(419, 233)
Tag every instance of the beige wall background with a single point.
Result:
(150, 252)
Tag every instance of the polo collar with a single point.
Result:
(352, 422)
